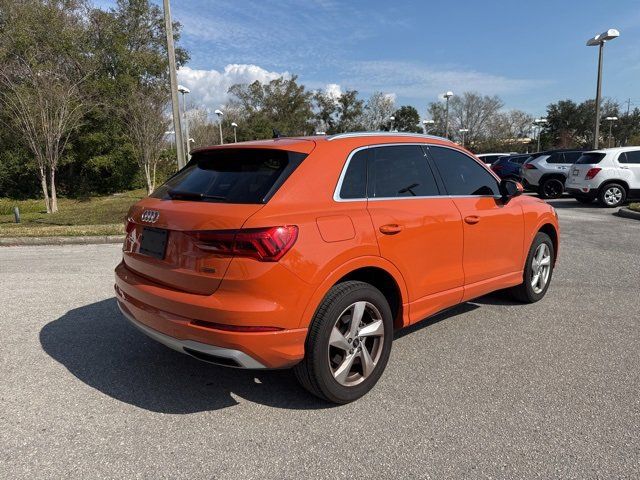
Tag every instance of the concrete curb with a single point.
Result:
(89, 240)
(626, 212)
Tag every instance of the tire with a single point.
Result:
(322, 371)
(612, 195)
(585, 200)
(551, 188)
(526, 292)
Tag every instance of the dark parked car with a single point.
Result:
(508, 166)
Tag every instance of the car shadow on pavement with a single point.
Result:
(99, 346)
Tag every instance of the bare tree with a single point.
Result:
(47, 106)
(474, 112)
(146, 123)
(377, 111)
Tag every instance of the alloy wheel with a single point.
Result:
(553, 188)
(356, 343)
(613, 195)
(540, 268)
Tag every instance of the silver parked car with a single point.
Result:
(546, 172)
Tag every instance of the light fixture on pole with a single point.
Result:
(392, 118)
(235, 136)
(447, 96)
(184, 90)
(219, 113)
(425, 124)
(463, 131)
(173, 79)
(599, 41)
(538, 122)
(610, 120)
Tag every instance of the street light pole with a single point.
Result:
(175, 107)
(219, 114)
(538, 122)
(447, 96)
(463, 131)
(184, 90)
(610, 120)
(599, 41)
(235, 136)
(392, 118)
(425, 123)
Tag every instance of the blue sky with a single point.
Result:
(529, 53)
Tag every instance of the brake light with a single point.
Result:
(263, 244)
(529, 166)
(592, 173)
(495, 167)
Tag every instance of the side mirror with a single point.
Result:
(509, 189)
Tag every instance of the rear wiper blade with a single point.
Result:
(194, 196)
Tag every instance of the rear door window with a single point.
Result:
(556, 157)
(399, 171)
(231, 175)
(630, 157)
(571, 157)
(590, 158)
(461, 174)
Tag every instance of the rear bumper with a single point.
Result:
(182, 325)
(580, 192)
(202, 351)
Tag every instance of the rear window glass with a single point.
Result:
(519, 160)
(231, 175)
(590, 158)
(571, 157)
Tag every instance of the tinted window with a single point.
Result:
(354, 184)
(231, 175)
(399, 171)
(557, 157)
(630, 157)
(519, 160)
(590, 158)
(571, 157)
(461, 174)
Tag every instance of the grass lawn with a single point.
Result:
(91, 216)
(635, 207)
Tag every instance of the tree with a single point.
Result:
(474, 112)
(146, 124)
(282, 105)
(338, 113)
(406, 119)
(42, 71)
(379, 107)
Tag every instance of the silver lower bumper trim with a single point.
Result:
(241, 358)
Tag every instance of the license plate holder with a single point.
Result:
(153, 242)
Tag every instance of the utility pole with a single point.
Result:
(175, 107)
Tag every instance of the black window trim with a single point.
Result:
(434, 171)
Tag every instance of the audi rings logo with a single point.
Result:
(150, 216)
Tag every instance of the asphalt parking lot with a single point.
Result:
(489, 389)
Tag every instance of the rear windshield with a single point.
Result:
(590, 158)
(231, 175)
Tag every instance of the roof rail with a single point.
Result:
(339, 136)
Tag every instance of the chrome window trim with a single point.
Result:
(336, 192)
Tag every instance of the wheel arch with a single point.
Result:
(373, 270)
(609, 181)
(550, 230)
(548, 176)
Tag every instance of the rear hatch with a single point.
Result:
(587, 161)
(217, 191)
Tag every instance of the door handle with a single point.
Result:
(390, 229)
(472, 219)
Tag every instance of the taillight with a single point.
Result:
(129, 225)
(495, 167)
(264, 244)
(529, 166)
(592, 173)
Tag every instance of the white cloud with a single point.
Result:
(414, 80)
(333, 90)
(209, 88)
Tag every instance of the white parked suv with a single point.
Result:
(612, 175)
(546, 172)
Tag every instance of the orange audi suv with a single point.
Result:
(309, 252)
